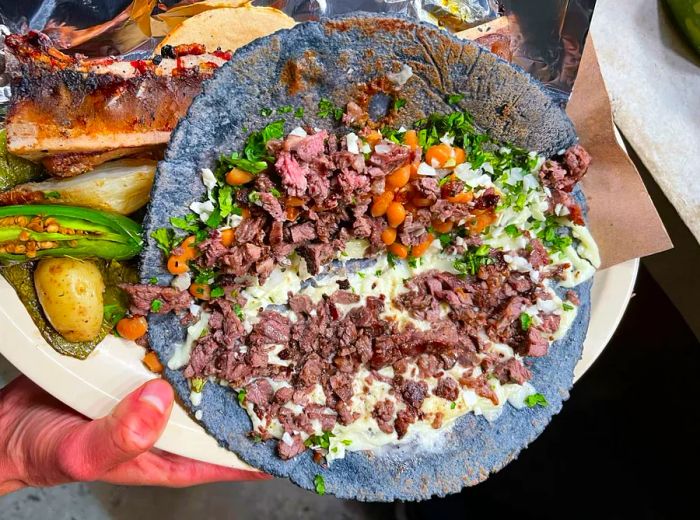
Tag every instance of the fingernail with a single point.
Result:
(157, 394)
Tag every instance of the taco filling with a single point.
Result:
(355, 288)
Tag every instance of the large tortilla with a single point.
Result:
(329, 59)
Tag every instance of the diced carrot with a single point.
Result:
(177, 264)
(227, 236)
(381, 204)
(438, 155)
(461, 198)
(482, 220)
(201, 291)
(389, 236)
(152, 362)
(374, 137)
(293, 213)
(395, 214)
(189, 250)
(420, 249)
(238, 177)
(414, 172)
(399, 250)
(459, 155)
(245, 212)
(399, 178)
(442, 227)
(294, 202)
(410, 138)
(422, 202)
(132, 328)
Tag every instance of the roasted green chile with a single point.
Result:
(34, 231)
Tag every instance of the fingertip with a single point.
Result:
(158, 394)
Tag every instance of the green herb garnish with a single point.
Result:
(320, 485)
(326, 108)
(241, 396)
(567, 306)
(512, 231)
(113, 312)
(153, 280)
(536, 399)
(238, 310)
(525, 321)
(277, 193)
(217, 292)
(398, 104)
(156, 305)
(323, 440)
(197, 384)
(285, 109)
(473, 259)
(189, 223)
(266, 112)
(299, 112)
(453, 99)
(453, 405)
(164, 239)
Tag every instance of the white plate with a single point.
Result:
(95, 385)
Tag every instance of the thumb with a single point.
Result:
(131, 429)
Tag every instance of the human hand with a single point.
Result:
(45, 443)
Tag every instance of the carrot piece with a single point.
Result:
(152, 362)
(293, 213)
(132, 328)
(482, 220)
(374, 137)
(459, 155)
(389, 236)
(395, 214)
(398, 249)
(399, 178)
(177, 264)
(189, 250)
(238, 177)
(461, 198)
(227, 236)
(442, 227)
(245, 212)
(201, 291)
(438, 155)
(420, 249)
(294, 202)
(381, 204)
(410, 138)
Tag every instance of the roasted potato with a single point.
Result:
(70, 292)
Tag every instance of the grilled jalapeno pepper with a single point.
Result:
(29, 232)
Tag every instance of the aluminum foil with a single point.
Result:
(548, 35)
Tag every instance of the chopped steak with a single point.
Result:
(563, 175)
(447, 388)
(141, 299)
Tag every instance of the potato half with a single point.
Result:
(70, 292)
(229, 28)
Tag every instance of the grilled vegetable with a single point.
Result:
(15, 170)
(119, 186)
(70, 292)
(28, 232)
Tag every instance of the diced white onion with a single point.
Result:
(428, 171)
(353, 143)
(208, 178)
(400, 78)
(299, 132)
(181, 282)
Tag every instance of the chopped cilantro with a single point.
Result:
(238, 310)
(525, 321)
(254, 197)
(512, 231)
(153, 280)
(285, 109)
(453, 405)
(323, 441)
(553, 240)
(472, 260)
(320, 485)
(215, 219)
(347, 442)
(398, 104)
(453, 99)
(204, 275)
(361, 274)
(241, 396)
(187, 223)
(255, 158)
(217, 292)
(277, 193)
(257, 439)
(226, 204)
(113, 312)
(391, 259)
(567, 307)
(445, 239)
(414, 262)
(156, 305)
(197, 384)
(299, 112)
(326, 108)
(335, 449)
(266, 112)
(378, 272)
(444, 180)
(164, 239)
(521, 201)
(535, 399)
(52, 195)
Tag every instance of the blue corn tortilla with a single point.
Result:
(332, 59)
